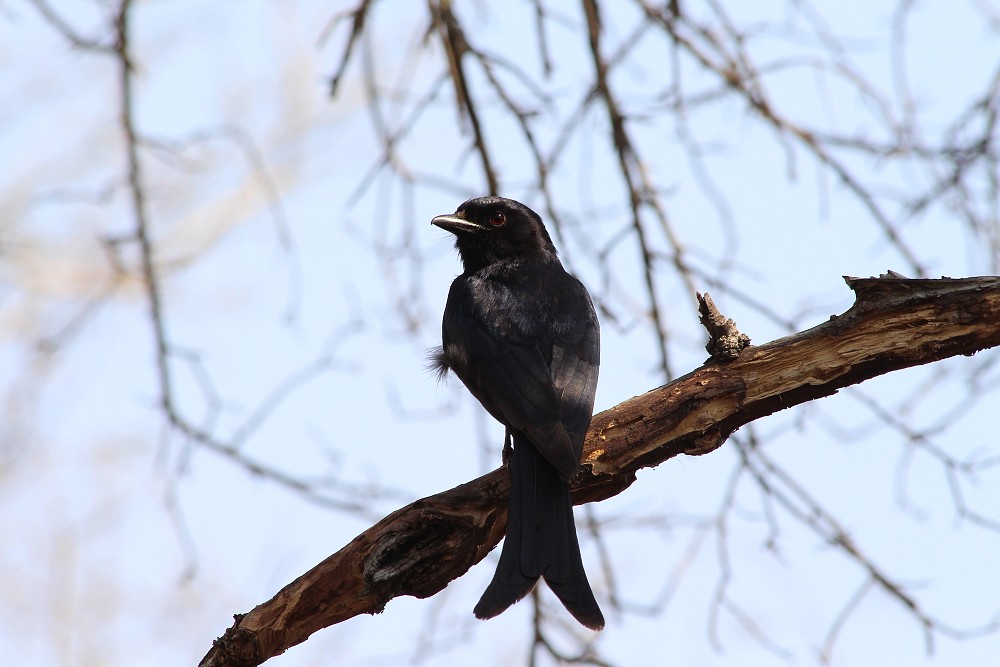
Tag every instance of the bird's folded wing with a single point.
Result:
(516, 384)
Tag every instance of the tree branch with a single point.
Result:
(895, 323)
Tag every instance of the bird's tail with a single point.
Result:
(541, 542)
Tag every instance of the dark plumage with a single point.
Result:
(522, 335)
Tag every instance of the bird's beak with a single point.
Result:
(456, 224)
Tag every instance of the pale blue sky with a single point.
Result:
(126, 545)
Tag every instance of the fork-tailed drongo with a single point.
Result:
(522, 335)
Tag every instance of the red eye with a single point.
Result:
(498, 219)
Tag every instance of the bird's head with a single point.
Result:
(489, 229)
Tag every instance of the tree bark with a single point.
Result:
(417, 550)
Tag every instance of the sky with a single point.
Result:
(128, 543)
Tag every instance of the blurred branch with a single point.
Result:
(456, 47)
(331, 493)
(895, 323)
(69, 33)
(706, 45)
(738, 72)
(641, 194)
(782, 487)
(358, 17)
(542, 644)
(615, 77)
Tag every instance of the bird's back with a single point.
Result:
(524, 338)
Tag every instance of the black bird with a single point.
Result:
(522, 335)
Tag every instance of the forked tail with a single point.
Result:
(541, 542)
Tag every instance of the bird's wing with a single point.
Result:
(541, 383)
(576, 359)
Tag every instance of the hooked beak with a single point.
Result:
(456, 224)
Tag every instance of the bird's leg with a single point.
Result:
(508, 448)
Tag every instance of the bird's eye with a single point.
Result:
(498, 219)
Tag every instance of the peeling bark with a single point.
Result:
(417, 550)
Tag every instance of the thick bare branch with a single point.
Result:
(895, 323)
